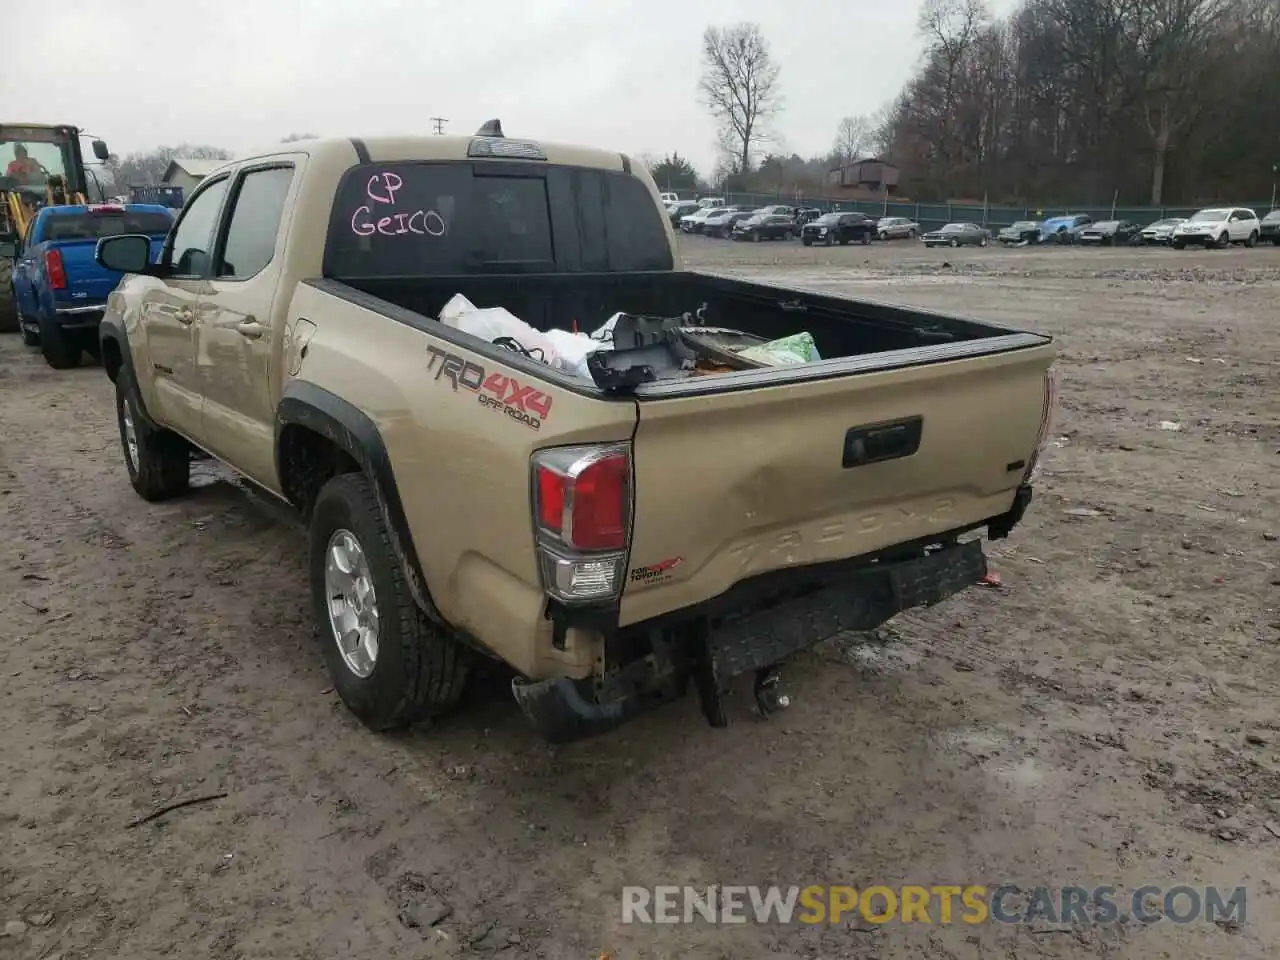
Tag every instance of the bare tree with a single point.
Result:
(740, 87)
(148, 167)
(854, 137)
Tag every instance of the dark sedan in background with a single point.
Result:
(838, 228)
(1024, 231)
(1111, 233)
(678, 211)
(957, 235)
(1270, 229)
(721, 223)
(765, 226)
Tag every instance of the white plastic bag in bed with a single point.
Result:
(501, 327)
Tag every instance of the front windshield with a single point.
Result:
(829, 218)
(953, 228)
(1209, 216)
(1024, 225)
(31, 162)
(1107, 225)
(1272, 217)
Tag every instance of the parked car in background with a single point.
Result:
(720, 222)
(59, 290)
(697, 221)
(678, 211)
(841, 228)
(1218, 227)
(777, 209)
(669, 197)
(957, 235)
(807, 215)
(765, 226)
(1066, 229)
(1270, 228)
(897, 228)
(1161, 231)
(711, 201)
(1022, 231)
(1111, 233)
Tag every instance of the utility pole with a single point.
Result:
(438, 123)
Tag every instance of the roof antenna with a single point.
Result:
(491, 128)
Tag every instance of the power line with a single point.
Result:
(438, 123)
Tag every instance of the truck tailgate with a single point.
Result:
(734, 484)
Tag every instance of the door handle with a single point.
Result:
(250, 329)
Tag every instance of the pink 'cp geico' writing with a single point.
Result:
(382, 188)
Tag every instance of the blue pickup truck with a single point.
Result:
(59, 289)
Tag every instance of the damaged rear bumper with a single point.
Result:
(752, 627)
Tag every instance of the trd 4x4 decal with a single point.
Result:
(519, 401)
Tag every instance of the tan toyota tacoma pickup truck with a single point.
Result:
(611, 535)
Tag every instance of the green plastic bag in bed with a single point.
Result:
(797, 348)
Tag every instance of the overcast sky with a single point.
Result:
(621, 74)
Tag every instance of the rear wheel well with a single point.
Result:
(307, 461)
(112, 357)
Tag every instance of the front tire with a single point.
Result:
(30, 338)
(1179, 245)
(390, 664)
(866, 238)
(883, 235)
(158, 461)
(1252, 241)
(954, 242)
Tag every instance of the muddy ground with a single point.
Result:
(1109, 715)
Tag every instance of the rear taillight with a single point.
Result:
(582, 506)
(54, 268)
(1046, 424)
(105, 208)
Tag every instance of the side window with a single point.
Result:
(255, 222)
(193, 236)
(31, 232)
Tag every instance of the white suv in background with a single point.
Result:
(1218, 227)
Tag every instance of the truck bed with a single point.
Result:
(842, 328)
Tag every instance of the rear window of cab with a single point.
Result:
(456, 218)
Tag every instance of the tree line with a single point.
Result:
(1156, 101)
(1063, 101)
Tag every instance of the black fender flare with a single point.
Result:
(306, 405)
(112, 329)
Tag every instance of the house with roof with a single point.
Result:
(187, 172)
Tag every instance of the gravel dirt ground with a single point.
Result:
(1109, 715)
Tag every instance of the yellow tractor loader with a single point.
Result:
(40, 165)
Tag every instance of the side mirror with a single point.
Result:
(100, 150)
(128, 253)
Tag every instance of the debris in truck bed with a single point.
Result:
(631, 349)
(797, 348)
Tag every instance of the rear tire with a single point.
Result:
(158, 461)
(1179, 245)
(61, 349)
(417, 669)
(866, 238)
(8, 300)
